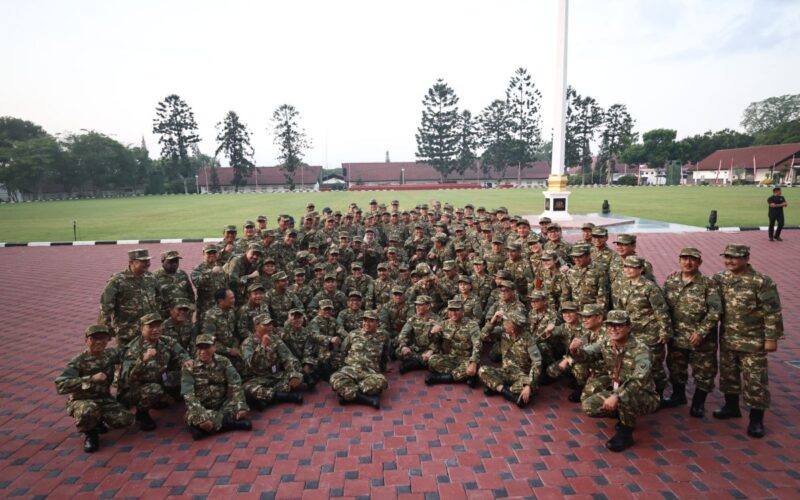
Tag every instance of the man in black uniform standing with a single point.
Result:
(776, 203)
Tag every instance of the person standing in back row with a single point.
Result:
(776, 203)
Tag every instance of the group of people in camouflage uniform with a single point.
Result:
(468, 295)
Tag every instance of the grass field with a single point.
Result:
(197, 216)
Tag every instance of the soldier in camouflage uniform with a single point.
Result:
(129, 295)
(752, 324)
(631, 392)
(144, 375)
(472, 302)
(361, 283)
(460, 344)
(302, 289)
(254, 306)
(213, 392)
(382, 287)
(360, 380)
(493, 328)
(418, 341)
(208, 277)
(602, 255)
(393, 317)
(564, 334)
(227, 245)
(242, 268)
(535, 251)
(427, 285)
(326, 338)
(180, 327)
(448, 280)
(626, 246)
(556, 245)
(282, 300)
(250, 236)
(584, 283)
(496, 258)
(220, 323)
(593, 330)
(330, 292)
(482, 282)
(516, 379)
(695, 307)
(550, 280)
(173, 283)
(350, 318)
(272, 371)
(297, 337)
(649, 315)
(87, 379)
(518, 267)
(542, 325)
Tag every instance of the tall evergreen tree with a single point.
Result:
(437, 136)
(233, 141)
(177, 130)
(584, 118)
(496, 138)
(523, 103)
(616, 135)
(291, 140)
(466, 130)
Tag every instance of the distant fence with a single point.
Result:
(413, 187)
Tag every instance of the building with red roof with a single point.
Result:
(262, 180)
(401, 173)
(756, 163)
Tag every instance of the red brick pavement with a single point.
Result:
(445, 442)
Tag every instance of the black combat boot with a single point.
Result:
(198, 433)
(145, 421)
(410, 365)
(258, 404)
(698, 409)
(231, 424)
(289, 397)
(101, 428)
(367, 400)
(545, 379)
(756, 427)
(622, 440)
(92, 442)
(310, 380)
(730, 409)
(575, 395)
(438, 378)
(489, 391)
(677, 398)
(513, 398)
(472, 381)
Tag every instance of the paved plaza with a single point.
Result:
(445, 442)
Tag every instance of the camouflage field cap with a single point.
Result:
(330, 277)
(334, 251)
(420, 248)
(592, 310)
(326, 304)
(343, 235)
(313, 244)
(256, 286)
(497, 240)
(553, 226)
(502, 210)
(423, 269)
(369, 314)
(261, 218)
(579, 250)
(534, 239)
(268, 260)
(369, 230)
(507, 284)
(356, 265)
(391, 250)
(230, 228)
(295, 312)
(138, 254)
(514, 246)
(280, 276)
(633, 261)
(481, 209)
(690, 252)
(204, 339)
(291, 233)
(517, 318)
(170, 254)
(448, 265)
(210, 248)
(310, 205)
(395, 202)
(469, 205)
(549, 256)
(455, 304)
(626, 239)
(266, 233)
(398, 290)
(422, 299)
(617, 317)
(537, 295)
(262, 319)
(150, 318)
(523, 222)
(383, 265)
(545, 220)
(587, 225)
(402, 267)
(478, 261)
(299, 271)
(95, 330)
(182, 303)
(502, 273)
(568, 305)
(249, 223)
(458, 247)
(355, 293)
(600, 232)
(302, 254)
(373, 201)
(319, 267)
(733, 250)
(256, 247)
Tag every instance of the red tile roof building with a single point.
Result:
(725, 164)
(397, 173)
(263, 179)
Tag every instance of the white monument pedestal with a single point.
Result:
(556, 205)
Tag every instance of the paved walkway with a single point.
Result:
(440, 442)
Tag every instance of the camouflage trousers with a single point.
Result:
(415, 354)
(552, 349)
(264, 388)
(351, 379)
(125, 333)
(659, 351)
(579, 370)
(512, 378)
(453, 364)
(703, 361)
(197, 417)
(632, 406)
(143, 396)
(745, 372)
(89, 413)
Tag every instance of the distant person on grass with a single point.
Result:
(776, 203)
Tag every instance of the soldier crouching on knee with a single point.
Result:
(360, 379)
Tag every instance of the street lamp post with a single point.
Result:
(197, 183)
(402, 176)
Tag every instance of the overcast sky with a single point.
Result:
(357, 70)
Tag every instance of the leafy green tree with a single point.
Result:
(437, 136)
(784, 133)
(97, 162)
(523, 104)
(234, 142)
(616, 134)
(16, 129)
(584, 118)
(658, 146)
(466, 131)
(697, 147)
(27, 165)
(771, 112)
(495, 137)
(177, 130)
(291, 140)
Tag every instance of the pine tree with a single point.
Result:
(495, 137)
(437, 135)
(617, 134)
(177, 130)
(523, 103)
(291, 140)
(234, 143)
(466, 130)
(584, 118)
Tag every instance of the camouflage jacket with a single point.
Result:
(299, 343)
(272, 360)
(394, 316)
(520, 272)
(630, 365)
(448, 286)
(751, 310)
(211, 386)
(222, 325)
(495, 261)
(305, 294)
(322, 330)
(603, 258)
(472, 307)
(245, 315)
(585, 285)
(125, 300)
(238, 268)
(616, 274)
(207, 283)
(338, 298)
(515, 306)
(365, 286)
(349, 320)
(416, 334)
(183, 334)
(76, 381)
(694, 306)
(366, 351)
(462, 340)
(171, 287)
(382, 292)
(521, 354)
(553, 283)
(136, 372)
(647, 309)
(566, 333)
(538, 321)
(279, 305)
(561, 248)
